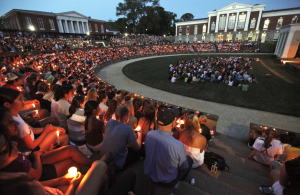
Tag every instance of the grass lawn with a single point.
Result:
(270, 94)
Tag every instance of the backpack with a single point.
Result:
(211, 159)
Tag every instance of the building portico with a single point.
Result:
(72, 22)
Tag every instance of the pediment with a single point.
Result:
(72, 14)
(234, 6)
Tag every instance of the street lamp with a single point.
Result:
(31, 28)
(88, 33)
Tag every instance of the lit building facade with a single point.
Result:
(237, 22)
(66, 22)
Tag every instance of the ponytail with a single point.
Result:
(75, 105)
(89, 107)
(270, 134)
(112, 106)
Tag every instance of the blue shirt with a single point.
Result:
(164, 155)
(117, 136)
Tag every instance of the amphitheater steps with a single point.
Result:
(244, 176)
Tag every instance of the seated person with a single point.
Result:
(166, 160)
(39, 166)
(118, 136)
(193, 141)
(147, 123)
(205, 131)
(76, 119)
(286, 181)
(45, 137)
(265, 151)
(94, 128)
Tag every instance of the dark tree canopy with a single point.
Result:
(187, 16)
(133, 10)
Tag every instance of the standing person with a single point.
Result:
(265, 151)
(193, 141)
(118, 136)
(166, 160)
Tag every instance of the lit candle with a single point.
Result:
(138, 128)
(57, 132)
(37, 113)
(72, 171)
(212, 132)
(33, 105)
(200, 130)
(97, 117)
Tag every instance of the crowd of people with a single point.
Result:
(232, 71)
(51, 104)
(140, 39)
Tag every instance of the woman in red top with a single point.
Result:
(147, 123)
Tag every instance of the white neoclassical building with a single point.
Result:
(236, 22)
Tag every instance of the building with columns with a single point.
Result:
(66, 22)
(237, 22)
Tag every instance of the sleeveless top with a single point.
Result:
(198, 158)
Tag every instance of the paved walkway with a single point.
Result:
(234, 121)
(277, 73)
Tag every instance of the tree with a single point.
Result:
(133, 10)
(187, 16)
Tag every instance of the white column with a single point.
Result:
(208, 25)
(60, 26)
(78, 29)
(227, 18)
(72, 27)
(278, 44)
(66, 26)
(247, 20)
(87, 27)
(258, 20)
(217, 23)
(175, 29)
(236, 20)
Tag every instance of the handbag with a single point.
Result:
(215, 162)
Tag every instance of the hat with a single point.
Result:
(11, 77)
(20, 76)
(166, 116)
(33, 73)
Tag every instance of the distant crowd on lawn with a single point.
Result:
(232, 71)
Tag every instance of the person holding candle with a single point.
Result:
(62, 95)
(147, 123)
(194, 142)
(14, 101)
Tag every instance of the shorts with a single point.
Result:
(277, 188)
(48, 172)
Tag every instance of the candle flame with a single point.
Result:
(138, 128)
(97, 117)
(57, 132)
(33, 105)
(212, 132)
(72, 171)
(200, 130)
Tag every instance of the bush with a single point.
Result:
(268, 47)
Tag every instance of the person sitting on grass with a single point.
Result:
(244, 86)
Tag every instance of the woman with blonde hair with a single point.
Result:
(92, 95)
(193, 141)
(132, 120)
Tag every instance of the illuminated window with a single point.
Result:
(196, 29)
(266, 24)
(51, 24)
(252, 24)
(294, 20)
(231, 22)
(204, 28)
(279, 22)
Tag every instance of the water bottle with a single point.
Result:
(193, 181)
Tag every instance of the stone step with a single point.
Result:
(212, 185)
(240, 182)
(243, 163)
(184, 188)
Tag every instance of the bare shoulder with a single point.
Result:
(200, 141)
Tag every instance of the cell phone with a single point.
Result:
(266, 190)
